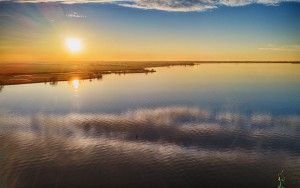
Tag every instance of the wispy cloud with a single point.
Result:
(169, 5)
(271, 47)
(75, 15)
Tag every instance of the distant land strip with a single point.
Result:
(25, 73)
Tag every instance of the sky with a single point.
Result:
(149, 30)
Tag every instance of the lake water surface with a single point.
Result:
(209, 125)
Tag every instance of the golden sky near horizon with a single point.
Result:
(38, 32)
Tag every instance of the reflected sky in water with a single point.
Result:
(226, 87)
(211, 125)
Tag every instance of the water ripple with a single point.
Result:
(167, 146)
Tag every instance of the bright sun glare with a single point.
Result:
(73, 44)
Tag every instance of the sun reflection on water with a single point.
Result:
(75, 84)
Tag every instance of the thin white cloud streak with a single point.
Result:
(168, 5)
(75, 15)
(287, 48)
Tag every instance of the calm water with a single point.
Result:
(210, 125)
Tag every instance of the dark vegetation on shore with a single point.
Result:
(24, 73)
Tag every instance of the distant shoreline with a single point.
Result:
(26, 73)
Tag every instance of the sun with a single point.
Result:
(73, 45)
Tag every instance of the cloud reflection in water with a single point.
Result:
(161, 146)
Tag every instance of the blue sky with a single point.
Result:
(153, 29)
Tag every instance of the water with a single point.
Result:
(210, 125)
